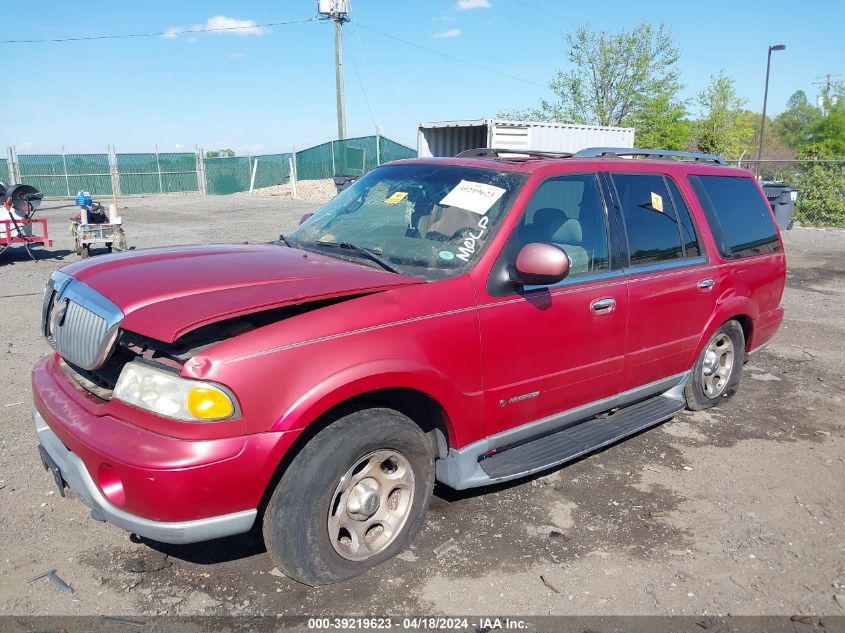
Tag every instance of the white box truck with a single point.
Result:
(450, 138)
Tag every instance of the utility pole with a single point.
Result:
(338, 12)
(338, 75)
(827, 81)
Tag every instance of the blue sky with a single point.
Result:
(265, 90)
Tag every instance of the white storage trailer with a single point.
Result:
(450, 138)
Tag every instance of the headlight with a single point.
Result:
(168, 394)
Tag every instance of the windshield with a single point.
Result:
(430, 221)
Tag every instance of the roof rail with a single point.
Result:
(598, 152)
(489, 152)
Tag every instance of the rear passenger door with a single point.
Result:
(671, 284)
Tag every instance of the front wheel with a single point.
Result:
(718, 370)
(355, 496)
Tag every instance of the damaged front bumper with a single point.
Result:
(69, 469)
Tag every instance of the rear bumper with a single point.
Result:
(78, 479)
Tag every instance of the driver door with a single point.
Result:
(549, 349)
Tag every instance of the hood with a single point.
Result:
(166, 292)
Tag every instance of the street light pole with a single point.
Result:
(776, 47)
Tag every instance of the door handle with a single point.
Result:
(603, 306)
(706, 283)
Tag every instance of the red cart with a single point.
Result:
(20, 232)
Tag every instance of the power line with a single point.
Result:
(451, 57)
(361, 86)
(169, 32)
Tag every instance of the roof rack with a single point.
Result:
(488, 152)
(592, 152)
(609, 152)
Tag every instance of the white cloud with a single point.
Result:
(235, 26)
(217, 25)
(237, 56)
(445, 35)
(466, 5)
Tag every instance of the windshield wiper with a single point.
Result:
(284, 240)
(363, 252)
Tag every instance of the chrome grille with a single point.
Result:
(79, 323)
(79, 337)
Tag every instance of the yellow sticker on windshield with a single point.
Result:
(397, 197)
(657, 202)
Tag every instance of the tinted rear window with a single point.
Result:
(737, 214)
(650, 219)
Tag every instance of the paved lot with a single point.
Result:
(737, 510)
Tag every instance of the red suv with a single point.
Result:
(469, 320)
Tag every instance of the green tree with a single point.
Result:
(725, 127)
(793, 125)
(220, 153)
(826, 137)
(613, 75)
(661, 123)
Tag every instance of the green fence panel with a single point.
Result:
(355, 156)
(157, 173)
(138, 174)
(351, 156)
(64, 175)
(227, 175)
(4, 172)
(272, 170)
(314, 163)
(178, 172)
(391, 150)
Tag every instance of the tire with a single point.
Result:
(712, 382)
(108, 247)
(302, 519)
(86, 251)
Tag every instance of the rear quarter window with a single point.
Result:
(738, 216)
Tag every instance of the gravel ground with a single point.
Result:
(736, 510)
(319, 191)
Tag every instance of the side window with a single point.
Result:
(738, 215)
(692, 247)
(650, 218)
(568, 212)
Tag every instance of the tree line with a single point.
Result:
(631, 78)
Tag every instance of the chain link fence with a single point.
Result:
(129, 174)
(145, 173)
(242, 173)
(820, 184)
(65, 174)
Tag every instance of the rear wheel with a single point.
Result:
(86, 251)
(718, 370)
(355, 496)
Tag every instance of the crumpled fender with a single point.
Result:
(728, 306)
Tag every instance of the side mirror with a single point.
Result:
(305, 217)
(541, 265)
